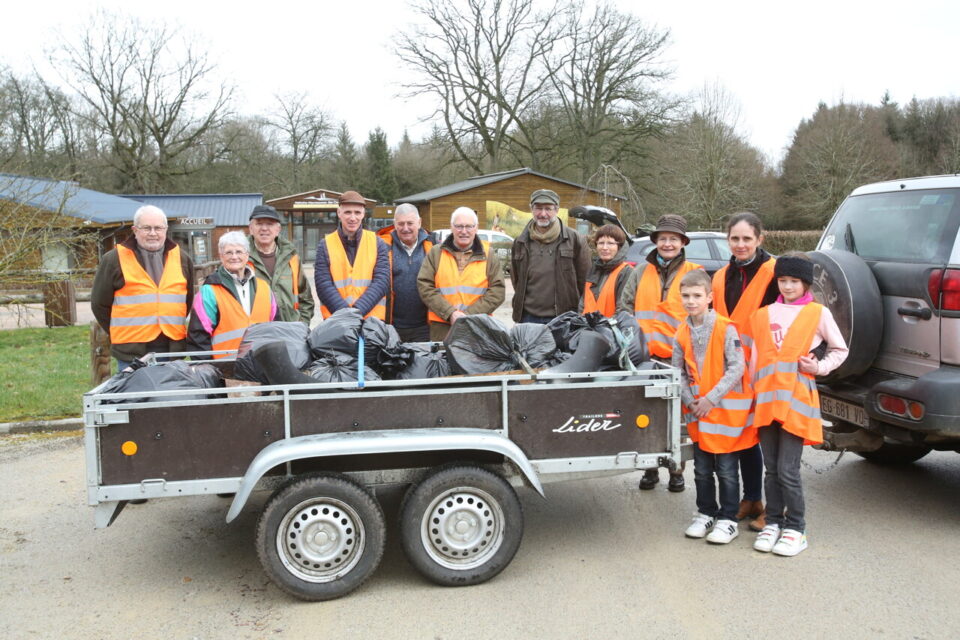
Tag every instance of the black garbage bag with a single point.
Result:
(627, 325)
(339, 367)
(535, 343)
(292, 334)
(428, 360)
(383, 349)
(565, 328)
(479, 344)
(339, 333)
(167, 376)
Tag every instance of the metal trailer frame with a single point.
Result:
(660, 382)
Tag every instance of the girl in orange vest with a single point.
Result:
(230, 299)
(786, 406)
(608, 274)
(716, 398)
(739, 289)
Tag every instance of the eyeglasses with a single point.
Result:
(464, 227)
(230, 254)
(606, 243)
(152, 229)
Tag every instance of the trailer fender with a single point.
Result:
(370, 442)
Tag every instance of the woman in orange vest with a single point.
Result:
(608, 274)
(739, 289)
(716, 397)
(652, 294)
(231, 299)
(786, 407)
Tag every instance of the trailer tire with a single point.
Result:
(460, 525)
(320, 536)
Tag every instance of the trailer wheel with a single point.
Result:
(460, 525)
(320, 536)
(892, 453)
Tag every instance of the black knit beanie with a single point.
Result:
(794, 267)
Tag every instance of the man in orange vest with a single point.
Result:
(275, 260)
(408, 244)
(143, 290)
(460, 276)
(352, 268)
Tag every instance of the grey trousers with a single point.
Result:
(782, 484)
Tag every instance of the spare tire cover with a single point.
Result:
(844, 283)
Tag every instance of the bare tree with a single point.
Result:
(481, 60)
(604, 72)
(149, 94)
(305, 131)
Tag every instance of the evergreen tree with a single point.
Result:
(379, 180)
(346, 163)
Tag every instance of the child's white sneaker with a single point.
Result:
(767, 538)
(791, 543)
(699, 527)
(723, 532)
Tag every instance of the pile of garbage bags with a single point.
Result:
(166, 376)
(346, 348)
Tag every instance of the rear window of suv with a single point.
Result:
(900, 226)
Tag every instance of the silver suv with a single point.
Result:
(888, 266)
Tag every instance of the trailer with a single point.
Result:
(462, 444)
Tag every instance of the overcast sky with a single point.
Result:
(779, 60)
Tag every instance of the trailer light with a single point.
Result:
(900, 407)
(129, 448)
(643, 421)
(915, 410)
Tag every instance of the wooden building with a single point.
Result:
(502, 200)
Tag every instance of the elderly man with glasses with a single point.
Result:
(143, 290)
(460, 276)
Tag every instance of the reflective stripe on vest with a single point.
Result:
(727, 427)
(459, 288)
(750, 299)
(660, 319)
(607, 302)
(233, 320)
(784, 393)
(143, 309)
(352, 281)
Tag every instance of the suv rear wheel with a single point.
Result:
(895, 453)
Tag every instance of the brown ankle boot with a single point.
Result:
(758, 523)
(749, 509)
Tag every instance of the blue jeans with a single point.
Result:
(724, 466)
(526, 317)
(751, 472)
(123, 364)
(781, 457)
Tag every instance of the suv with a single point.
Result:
(888, 267)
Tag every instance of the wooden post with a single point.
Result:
(99, 354)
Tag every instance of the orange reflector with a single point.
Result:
(643, 421)
(128, 448)
(915, 409)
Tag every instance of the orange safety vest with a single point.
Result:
(783, 392)
(660, 319)
(233, 321)
(607, 302)
(727, 427)
(142, 309)
(749, 302)
(388, 238)
(352, 280)
(460, 288)
(295, 271)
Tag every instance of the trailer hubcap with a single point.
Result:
(320, 539)
(462, 528)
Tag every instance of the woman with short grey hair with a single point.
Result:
(230, 299)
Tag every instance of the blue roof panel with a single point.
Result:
(226, 209)
(77, 202)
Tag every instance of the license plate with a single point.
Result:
(846, 411)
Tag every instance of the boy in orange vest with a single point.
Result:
(716, 399)
(787, 406)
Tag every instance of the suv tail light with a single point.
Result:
(900, 406)
(944, 289)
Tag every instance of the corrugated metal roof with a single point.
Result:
(479, 181)
(226, 209)
(93, 206)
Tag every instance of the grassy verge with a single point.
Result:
(43, 373)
